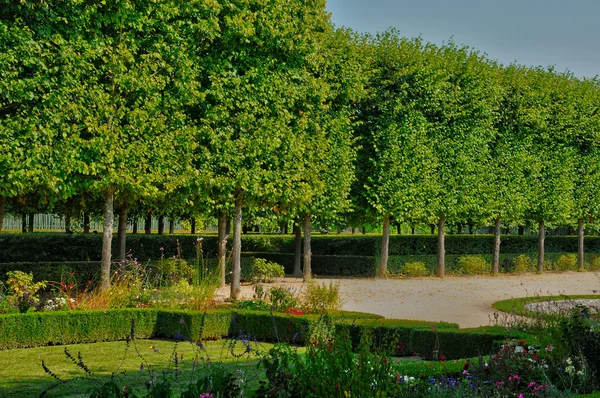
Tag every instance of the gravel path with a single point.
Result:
(463, 300)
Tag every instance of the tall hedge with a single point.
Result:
(54, 247)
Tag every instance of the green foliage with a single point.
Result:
(22, 292)
(594, 264)
(566, 262)
(522, 264)
(414, 269)
(266, 271)
(581, 333)
(282, 298)
(474, 265)
(321, 298)
(328, 369)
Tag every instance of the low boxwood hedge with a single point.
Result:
(425, 339)
(72, 327)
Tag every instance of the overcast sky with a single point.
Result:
(563, 33)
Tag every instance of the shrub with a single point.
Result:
(23, 292)
(322, 298)
(594, 264)
(566, 262)
(522, 264)
(474, 265)
(282, 298)
(266, 271)
(414, 269)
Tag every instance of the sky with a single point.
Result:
(560, 33)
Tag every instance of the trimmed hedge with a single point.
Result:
(57, 247)
(72, 327)
(425, 339)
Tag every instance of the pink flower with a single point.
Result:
(499, 383)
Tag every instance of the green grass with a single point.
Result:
(21, 373)
(517, 305)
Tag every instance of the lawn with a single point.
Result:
(21, 373)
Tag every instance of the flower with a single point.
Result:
(549, 347)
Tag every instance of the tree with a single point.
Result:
(257, 78)
(509, 158)
(26, 133)
(394, 143)
(546, 127)
(118, 78)
(457, 97)
(585, 140)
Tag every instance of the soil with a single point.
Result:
(466, 300)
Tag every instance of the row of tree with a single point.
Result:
(213, 108)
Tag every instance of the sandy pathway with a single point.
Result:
(463, 300)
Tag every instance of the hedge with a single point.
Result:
(425, 339)
(56, 247)
(72, 327)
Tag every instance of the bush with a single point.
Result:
(282, 299)
(566, 262)
(594, 264)
(474, 265)
(414, 269)
(322, 298)
(522, 264)
(22, 291)
(266, 271)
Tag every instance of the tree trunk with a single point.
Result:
(86, 223)
(541, 238)
(24, 223)
(398, 229)
(297, 249)
(2, 206)
(237, 248)
(31, 221)
(307, 249)
(161, 225)
(385, 246)
(122, 231)
(580, 252)
(521, 230)
(459, 228)
(193, 231)
(432, 228)
(171, 226)
(412, 230)
(148, 224)
(496, 255)
(109, 219)
(364, 230)
(470, 225)
(134, 227)
(222, 246)
(353, 230)
(441, 265)
(68, 222)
